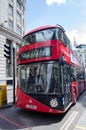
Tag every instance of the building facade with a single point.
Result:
(11, 31)
(81, 50)
(12, 15)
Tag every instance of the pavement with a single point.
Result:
(8, 96)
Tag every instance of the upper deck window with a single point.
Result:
(39, 36)
(45, 35)
(62, 36)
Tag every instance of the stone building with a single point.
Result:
(81, 50)
(11, 31)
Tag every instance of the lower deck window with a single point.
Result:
(41, 77)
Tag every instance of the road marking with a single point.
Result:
(80, 127)
(12, 122)
(69, 121)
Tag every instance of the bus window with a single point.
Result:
(43, 35)
(80, 73)
(73, 73)
(60, 35)
(67, 83)
(66, 73)
(41, 78)
(55, 84)
(66, 41)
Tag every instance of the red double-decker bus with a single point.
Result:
(50, 75)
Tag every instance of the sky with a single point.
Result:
(71, 14)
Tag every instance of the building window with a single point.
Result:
(80, 55)
(18, 17)
(84, 55)
(81, 46)
(10, 24)
(18, 4)
(18, 30)
(10, 10)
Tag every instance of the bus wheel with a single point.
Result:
(74, 94)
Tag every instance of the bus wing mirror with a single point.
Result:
(62, 60)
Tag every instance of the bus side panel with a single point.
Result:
(78, 87)
(81, 86)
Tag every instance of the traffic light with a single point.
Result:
(7, 50)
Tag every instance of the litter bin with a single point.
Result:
(3, 95)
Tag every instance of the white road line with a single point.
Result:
(80, 127)
(69, 121)
(66, 128)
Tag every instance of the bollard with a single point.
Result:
(3, 95)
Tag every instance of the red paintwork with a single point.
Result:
(43, 28)
(75, 88)
(58, 48)
(55, 51)
(27, 100)
(83, 85)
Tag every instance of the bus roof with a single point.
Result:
(44, 27)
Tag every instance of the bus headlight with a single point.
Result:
(54, 102)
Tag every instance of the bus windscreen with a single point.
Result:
(40, 78)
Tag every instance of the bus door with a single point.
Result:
(20, 82)
(81, 80)
(67, 83)
(23, 76)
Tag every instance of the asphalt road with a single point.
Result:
(13, 117)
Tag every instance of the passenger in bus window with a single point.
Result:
(32, 75)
